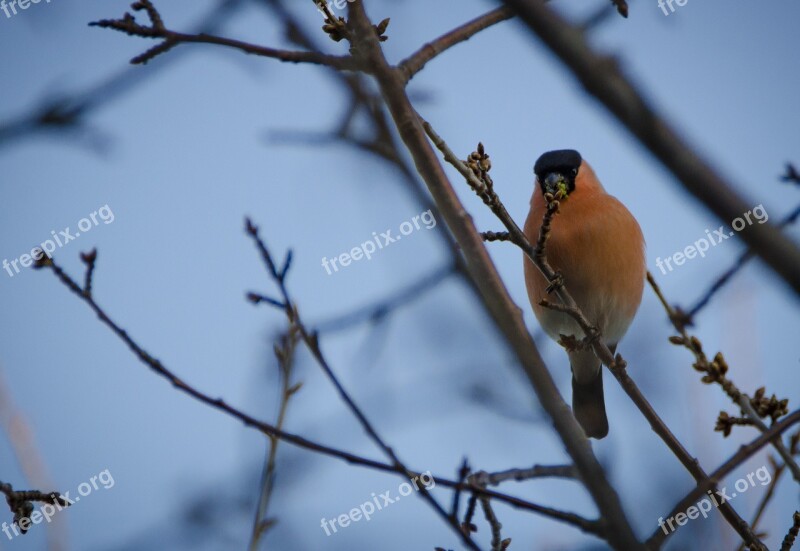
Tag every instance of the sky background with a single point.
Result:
(195, 142)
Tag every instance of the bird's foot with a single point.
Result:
(556, 283)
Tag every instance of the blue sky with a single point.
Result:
(191, 150)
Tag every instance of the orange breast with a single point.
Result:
(598, 247)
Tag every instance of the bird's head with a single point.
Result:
(557, 170)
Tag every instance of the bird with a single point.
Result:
(598, 248)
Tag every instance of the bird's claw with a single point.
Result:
(556, 283)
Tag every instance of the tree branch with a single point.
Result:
(21, 502)
(415, 62)
(493, 293)
(791, 535)
(312, 343)
(726, 276)
(589, 526)
(518, 475)
(157, 30)
(284, 353)
(716, 372)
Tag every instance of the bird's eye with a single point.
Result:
(574, 171)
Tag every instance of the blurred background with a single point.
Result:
(181, 150)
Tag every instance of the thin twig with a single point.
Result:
(792, 175)
(20, 436)
(89, 259)
(415, 62)
(537, 471)
(482, 479)
(312, 343)
(380, 309)
(463, 471)
(20, 502)
(157, 30)
(716, 371)
(776, 477)
(740, 262)
(70, 112)
(496, 526)
(383, 144)
(491, 236)
(284, 352)
(468, 526)
(588, 526)
(622, 7)
(788, 541)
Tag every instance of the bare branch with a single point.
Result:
(776, 478)
(491, 236)
(157, 30)
(284, 352)
(622, 7)
(415, 62)
(70, 112)
(591, 527)
(498, 544)
(21, 438)
(463, 471)
(788, 541)
(21, 503)
(477, 483)
(518, 475)
(312, 343)
(743, 259)
(716, 372)
(380, 309)
(494, 295)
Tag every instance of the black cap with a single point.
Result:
(562, 160)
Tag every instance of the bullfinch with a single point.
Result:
(597, 246)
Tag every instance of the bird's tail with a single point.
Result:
(589, 406)
(588, 402)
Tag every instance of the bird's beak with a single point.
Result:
(552, 182)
